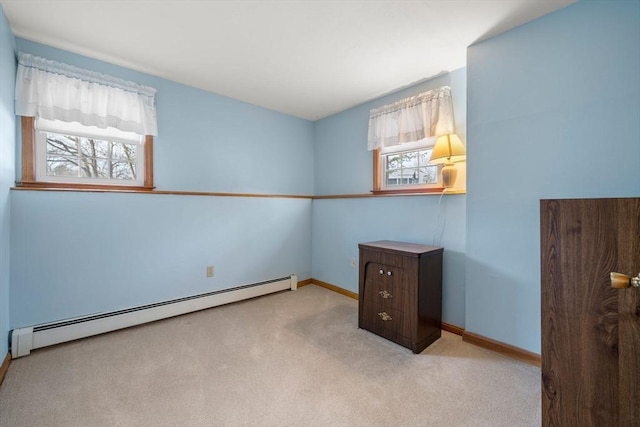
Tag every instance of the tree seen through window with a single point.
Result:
(77, 156)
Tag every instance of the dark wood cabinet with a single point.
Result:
(400, 292)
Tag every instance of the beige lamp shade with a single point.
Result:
(448, 149)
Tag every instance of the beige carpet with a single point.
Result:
(288, 359)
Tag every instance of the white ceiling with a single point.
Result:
(307, 58)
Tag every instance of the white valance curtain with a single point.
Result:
(55, 91)
(429, 114)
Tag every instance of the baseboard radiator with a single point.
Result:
(23, 340)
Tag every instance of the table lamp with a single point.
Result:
(448, 150)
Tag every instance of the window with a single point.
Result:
(62, 154)
(406, 168)
(402, 136)
(83, 129)
(69, 152)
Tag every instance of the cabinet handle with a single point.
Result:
(388, 273)
(384, 316)
(621, 281)
(385, 294)
(381, 272)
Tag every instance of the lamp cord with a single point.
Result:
(441, 220)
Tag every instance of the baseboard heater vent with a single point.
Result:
(23, 340)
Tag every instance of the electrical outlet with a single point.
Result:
(353, 263)
(209, 270)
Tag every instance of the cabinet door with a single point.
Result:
(372, 295)
(590, 331)
(390, 286)
(384, 302)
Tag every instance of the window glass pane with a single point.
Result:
(410, 176)
(122, 151)
(123, 170)
(410, 159)
(393, 161)
(94, 168)
(62, 166)
(425, 156)
(61, 144)
(409, 168)
(393, 177)
(94, 147)
(429, 175)
(75, 156)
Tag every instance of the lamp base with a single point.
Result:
(449, 174)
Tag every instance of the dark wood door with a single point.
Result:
(590, 331)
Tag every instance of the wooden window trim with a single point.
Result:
(377, 181)
(29, 165)
(148, 163)
(377, 176)
(28, 149)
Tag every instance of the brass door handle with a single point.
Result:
(622, 281)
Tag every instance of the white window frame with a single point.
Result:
(423, 144)
(41, 127)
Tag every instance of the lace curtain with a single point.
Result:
(56, 91)
(429, 114)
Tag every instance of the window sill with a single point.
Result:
(69, 186)
(434, 190)
(393, 193)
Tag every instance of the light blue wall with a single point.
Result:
(79, 253)
(7, 172)
(553, 112)
(344, 166)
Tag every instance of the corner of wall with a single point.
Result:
(7, 167)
